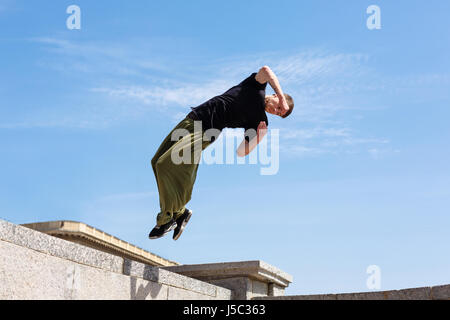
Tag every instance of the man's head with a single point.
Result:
(273, 105)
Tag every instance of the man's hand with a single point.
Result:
(246, 147)
(282, 104)
(264, 75)
(262, 130)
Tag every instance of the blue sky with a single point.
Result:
(363, 177)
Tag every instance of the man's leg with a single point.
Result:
(175, 181)
(163, 148)
(166, 214)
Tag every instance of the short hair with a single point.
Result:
(290, 103)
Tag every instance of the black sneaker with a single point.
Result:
(181, 223)
(160, 231)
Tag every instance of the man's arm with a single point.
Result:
(246, 147)
(265, 75)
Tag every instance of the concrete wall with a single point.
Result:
(34, 265)
(424, 293)
(246, 279)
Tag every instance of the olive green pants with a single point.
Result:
(175, 166)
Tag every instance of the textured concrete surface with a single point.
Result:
(275, 290)
(41, 242)
(159, 275)
(86, 235)
(409, 294)
(440, 292)
(34, 266)
(239, 286)
(423, 293)
(258, 270)
(259, 288)
(27, 274)
(247, 279)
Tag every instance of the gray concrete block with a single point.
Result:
(275, 291)
(423, 293)
(440, 292)
(240, 287)
(147, 290)
(182, 294)
(300, 297)
(257, 270)
(30, 275)
(165, 277)
(37, 266)
(21, 270)
(41, 242)
(259, 289)
(378, 295)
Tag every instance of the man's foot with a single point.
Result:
(181, 223)
(160, 231)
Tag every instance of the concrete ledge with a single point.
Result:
(258, 270)
(34, 265)
(422, 293)
(247, 279)
(165, 277)
(440, 292)
(26, 274)
(86, 235)
(53, 246)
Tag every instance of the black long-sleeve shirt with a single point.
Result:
(242, 106)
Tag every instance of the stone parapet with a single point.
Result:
(422, 293)
(34, 265)
(86, 235)
(247, 279)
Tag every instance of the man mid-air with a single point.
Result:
(242, 106)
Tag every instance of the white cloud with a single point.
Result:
(303, 151)
(303, 134)
(319, 140)
(377, 153)
(58, 123)
(308, 77)
(156, 96)
(130, 196)
(322, 83)
(102, 58)
(313, 65)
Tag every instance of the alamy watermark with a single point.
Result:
(374, 20)
(73, 22)
(222, 149)
(373, 282)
